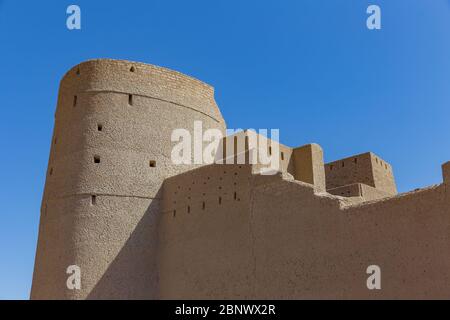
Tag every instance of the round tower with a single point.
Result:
(110, 153)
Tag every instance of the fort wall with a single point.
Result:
(140, 227)
(283, 240)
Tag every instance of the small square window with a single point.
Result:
(99, 127)
(96, 159)
(152, 163)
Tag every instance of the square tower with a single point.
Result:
(366, 168)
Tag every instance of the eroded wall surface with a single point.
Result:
(282, 240)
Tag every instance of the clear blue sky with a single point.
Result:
(310, 68)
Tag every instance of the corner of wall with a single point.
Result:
(309, 165)
(446, 172)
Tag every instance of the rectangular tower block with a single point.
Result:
(366, 168)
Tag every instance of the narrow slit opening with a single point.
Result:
(130, 99)
(93, 200)
(96, 159)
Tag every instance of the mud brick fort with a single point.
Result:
(141, 227)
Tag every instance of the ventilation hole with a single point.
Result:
(51, 171)
(152, 163)
(270, 151)
(220, 200)
(96, 159)
(93, 200)
(356, 160)
(75, 101)
(343, 164)
(203, 205)
(331, 167)
(282, 156)
(130, 99)
(78, 71)
(235, 196)
(220, 188)
(132, 69)
(174, 213)
(99, 127)
(189, 209)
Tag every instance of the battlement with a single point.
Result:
(366, 168)
(304, 163)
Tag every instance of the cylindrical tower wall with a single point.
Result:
(111, 151)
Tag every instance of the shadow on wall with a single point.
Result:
(133, 274)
